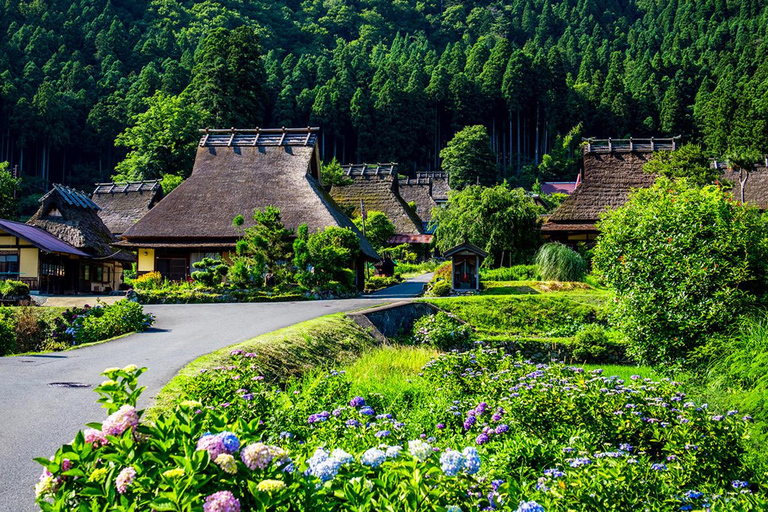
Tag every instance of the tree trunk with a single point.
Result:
(518, 143)
(536, 146)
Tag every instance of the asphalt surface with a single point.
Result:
(37, 415)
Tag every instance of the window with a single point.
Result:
(51, 269)
(9, 264)
(99, 271)
(86, 273)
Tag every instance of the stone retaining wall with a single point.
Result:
(392, 320)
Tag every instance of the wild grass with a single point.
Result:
(536, 287)
(623, 372)
(283, 355)
(556, 262)
(529, 315)
(389, 370)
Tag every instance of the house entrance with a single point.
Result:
(174, 269)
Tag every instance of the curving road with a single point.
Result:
(37, 415)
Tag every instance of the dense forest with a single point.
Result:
(88, 84)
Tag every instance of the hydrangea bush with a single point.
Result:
(442, 330)
(497, 433)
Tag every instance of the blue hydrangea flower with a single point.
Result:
(358, 401)
(373, 458)
(659, 467)
(529, 506)
(382, 433)
(452, 508)
(326, 470)
(368, 411)
(580, 461)
(554, 473)
(317, 458)
(739, 484)
(230, 441)
(393, 452)
(342, 456)
(352, 423)
(471, 460)
(451, 462)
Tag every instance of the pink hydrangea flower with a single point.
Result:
(120, 421)
(125, 479)
(95, 437)
(213, 444)
(222, 501)
(257, 455)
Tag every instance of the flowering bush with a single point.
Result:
(492, 432)
(175, 464)
(149, 281)
(89, 324)
(443, 330)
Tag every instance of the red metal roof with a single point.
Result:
(410, 239)
(561, 187)
(39, 237)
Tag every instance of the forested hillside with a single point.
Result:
(386, 80)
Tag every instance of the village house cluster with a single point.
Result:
(77, 242)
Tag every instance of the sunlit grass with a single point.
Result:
(624, 372)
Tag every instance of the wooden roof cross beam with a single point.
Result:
(205, 139)
(282, 138)
(231, 137)
(256, 138)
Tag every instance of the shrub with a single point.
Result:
(149, 281)
(333, 252)
(374, 283)
(104, 322)
(439, 289)
(514, 273)
(684, 262)
(7, 332)
(403, 254)
(590, 345)
(210, 272)
(30, 330)
(13, 289)
(441, 330)
(444, 272)
(556, 262)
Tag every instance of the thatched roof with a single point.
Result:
(755, 183)
(613, 168)
(236, 172)
(71, 216)
(419, 192)
(123, 204)
(378, 191)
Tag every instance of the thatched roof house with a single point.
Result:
(123, 204)
(72, 217)
(427, 190)
(612, 169)
(235, 172)
(376, 188)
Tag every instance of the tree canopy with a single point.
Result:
(504, 222)
(385, 81)
(684, 262)
(468, 159)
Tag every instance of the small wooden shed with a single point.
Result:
(466, 260)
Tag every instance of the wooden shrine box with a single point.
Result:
(466, 259)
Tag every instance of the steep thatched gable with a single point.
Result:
(71, 216)
(236, 172)
(613, 168)
(123, 204)
(376, 187)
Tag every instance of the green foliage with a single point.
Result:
(13, 289)
(7, 332)
(161, 142)
(503, 222)
(441, 330)
(404, 256)
(737, 380)
(689, 161)
(333, 252)
(515, 273)
(378, 228)
(515, 315)
(210, 272)
(29, 329)
(590, 344)
(556, 262)
(149, 281)
(685, 263)
(559, 433)
(265, 246)
(440, 289)
(170, 182)
(563, 161)
(375, 283)
(331, 173)
(468, 158)
(9, 188)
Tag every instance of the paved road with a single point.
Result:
(36, 417)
